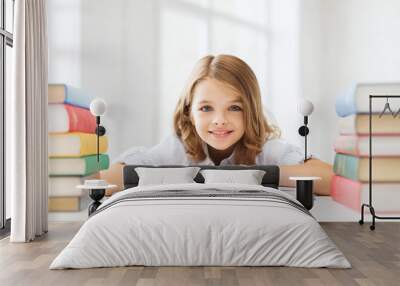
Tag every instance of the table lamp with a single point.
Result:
(98, 108)
(305, 108)
(97, 188)
(304, 185)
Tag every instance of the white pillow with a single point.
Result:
(249, 177)
(162, 176)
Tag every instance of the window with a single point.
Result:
(6, 43)
(183, 39)
(191, 29)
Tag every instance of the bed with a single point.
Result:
(198, 224)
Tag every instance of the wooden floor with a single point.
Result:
(374, 255)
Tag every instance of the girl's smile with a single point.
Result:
(220, 132)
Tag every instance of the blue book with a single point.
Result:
(356, 98)
(63, 93)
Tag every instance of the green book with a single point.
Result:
(80, 166)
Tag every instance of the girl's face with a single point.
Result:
(217, 114)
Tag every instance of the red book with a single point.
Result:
(352, 194)
(68, 118)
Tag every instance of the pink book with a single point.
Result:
(386, 196)
(358, 145)
(69, 118)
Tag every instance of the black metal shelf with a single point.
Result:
(370, 205)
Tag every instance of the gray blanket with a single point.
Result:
(207, 193)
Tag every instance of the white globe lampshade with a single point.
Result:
(305, 107)
(98, 107)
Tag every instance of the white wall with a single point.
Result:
(108, 48)
(316, 49)
(343, 42)
(64, 33)
(283, 82)
(118, 65)
(360, 42)
(310, 69)
(122, 54)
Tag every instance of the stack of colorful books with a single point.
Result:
(72, 146)
(350, 185)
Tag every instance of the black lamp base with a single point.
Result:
(96, 195)
(304, 193)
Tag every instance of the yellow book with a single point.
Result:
(64, 204)
(76, 144)
(56, 93)
(65, 93)
(359, 124)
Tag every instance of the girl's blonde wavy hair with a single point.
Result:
(237, 74)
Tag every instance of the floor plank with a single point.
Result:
(374, 255)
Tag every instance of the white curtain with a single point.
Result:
(28, 123)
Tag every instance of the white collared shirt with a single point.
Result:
(171, 151)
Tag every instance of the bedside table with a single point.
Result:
(304, 190)
(97, 190)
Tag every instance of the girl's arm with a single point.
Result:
(312, 167)
(114, 176)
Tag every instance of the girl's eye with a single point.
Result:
(206, 108)
(235, 108)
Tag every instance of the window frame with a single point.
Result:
(6, 39)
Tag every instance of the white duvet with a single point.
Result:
(184, 231)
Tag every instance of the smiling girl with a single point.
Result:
(219, 121)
